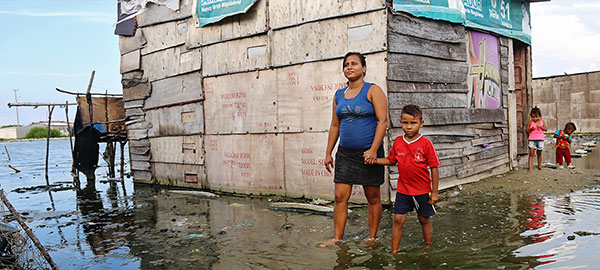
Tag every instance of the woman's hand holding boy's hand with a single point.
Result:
(433, 199)
(370, 156)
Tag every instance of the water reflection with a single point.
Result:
(98, 226)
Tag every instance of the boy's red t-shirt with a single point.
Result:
(413, 160)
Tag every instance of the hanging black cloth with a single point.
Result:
(86, 146)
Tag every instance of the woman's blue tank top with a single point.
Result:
(357, 118)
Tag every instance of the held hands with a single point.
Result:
(370, 156)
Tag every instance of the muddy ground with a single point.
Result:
(539, 182)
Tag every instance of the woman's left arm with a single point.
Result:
(377, 97)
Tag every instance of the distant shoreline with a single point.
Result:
(32, 140)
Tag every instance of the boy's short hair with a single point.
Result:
(571, 125)
(412, 110)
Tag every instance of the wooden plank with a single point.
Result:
(133, 104)
(140, 91)
(134, 112)
(129, 44)
(428, 100)
(435, 30)
(142, 176)
(329, 38)
(178, 149)
(182, 88)
(250, 163)
(170, 62)
(139, 143)
(139, 150)
(130, 61)
(457, 145)
(283, 13)
(487, 140)
(449, 153)
(399, 43)
(415, 68)
(396, 86)
(140, 165)
(477, 167)
(488, 153)
(252, 22)
(139, 125)
(446, 171)
(177, 120)
(452, 130)
(179, 175)
(236, 52)
(136, 157)
(241, 103)
(470, 150)
(489, 132)
(137, 134)
(454, 116)
(155, 14)
(165, 35)
(305, 92)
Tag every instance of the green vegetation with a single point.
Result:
(40, 132)
(7, 126)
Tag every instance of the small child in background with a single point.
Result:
(535, 129)
(563, 139)
(415, 155)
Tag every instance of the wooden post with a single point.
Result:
(74, 172)
(50, 110)
(88, 98)
(6, 150)
(122, 160)
(27, 230)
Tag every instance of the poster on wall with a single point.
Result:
(484, 71)
(505, 17)
(212, 11)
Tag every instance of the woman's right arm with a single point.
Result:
(334, 133)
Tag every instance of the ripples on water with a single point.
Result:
(103, 226)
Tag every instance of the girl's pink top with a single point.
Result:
(536, 134)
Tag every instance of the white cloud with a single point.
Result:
(99, 17)
(565, 37)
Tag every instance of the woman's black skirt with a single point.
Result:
(350, 168)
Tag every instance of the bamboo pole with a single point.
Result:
(88, 97)
(16, 170)
(27, 230)
(50, 110)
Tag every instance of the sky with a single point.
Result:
(49, 44)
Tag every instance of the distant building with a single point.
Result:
(21, 131)
(569, 98)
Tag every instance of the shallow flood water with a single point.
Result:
(110, 226)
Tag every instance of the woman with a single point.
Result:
(359, 119)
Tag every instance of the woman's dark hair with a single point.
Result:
(571, 125)
(413, 110)
(536, 110)
(363, 61)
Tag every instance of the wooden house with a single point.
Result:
(243, 104)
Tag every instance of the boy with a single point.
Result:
(413, 153)
(563, 139)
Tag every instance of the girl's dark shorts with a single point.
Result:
(406, 203)
(350, 168)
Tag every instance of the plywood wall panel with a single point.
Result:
(170, 62)
(232, 56)
(241, 103)
(250, 163)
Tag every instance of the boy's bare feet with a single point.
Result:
(328, 243)
(540, 167)
(529, 170)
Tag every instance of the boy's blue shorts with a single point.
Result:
(406, 203)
